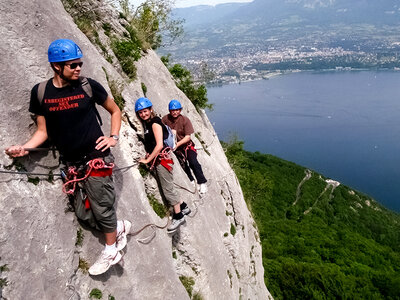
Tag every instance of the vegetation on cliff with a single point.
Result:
(142, 28)
(197, 93)
(318, 241)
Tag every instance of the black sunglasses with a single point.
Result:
(74, 65)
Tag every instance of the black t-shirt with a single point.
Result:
(149, 138)
(71, 120)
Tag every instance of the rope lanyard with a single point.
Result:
(94, 164)
(57, 175)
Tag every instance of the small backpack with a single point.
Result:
(170, 140)
(87, 88)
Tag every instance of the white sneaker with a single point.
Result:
(175, 224)
(104, 262)
(203, 188)
(121, 236)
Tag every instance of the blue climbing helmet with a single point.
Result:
(142, 103)
(63, 50)
(174, 104)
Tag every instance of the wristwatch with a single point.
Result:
(115, 137)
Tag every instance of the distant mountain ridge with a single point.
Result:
(308, 11)
(255, 38)
(206, 14)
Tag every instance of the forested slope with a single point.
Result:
(320, 240)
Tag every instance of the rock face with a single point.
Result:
(218, 247)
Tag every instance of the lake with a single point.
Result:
(345, 125)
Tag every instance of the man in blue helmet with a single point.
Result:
(185, 150)
(66, 115)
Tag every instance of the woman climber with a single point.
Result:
(155, 132)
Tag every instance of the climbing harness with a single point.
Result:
(97, 168)
(189, 146)
(163, 158)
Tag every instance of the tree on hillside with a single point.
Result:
(197, 93)
(152, 20)
(341, 249)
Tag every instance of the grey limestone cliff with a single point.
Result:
(38, 236)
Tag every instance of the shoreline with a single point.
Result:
(271, 75)
(356, 116)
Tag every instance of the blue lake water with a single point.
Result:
(345, 125)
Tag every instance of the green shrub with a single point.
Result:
(127, 52)
(115, 91)
(184, 81)
(83, 15)
(3, 281)
(144, 88)
(165, 59)
(197, 296)
(230, 276)
(160, 209)
(34, 180)
(188, 283)
(79, 237)
(119, 100)
(152, 20)
(148, 27)
(51, 177)
(233, 229)
(143, 170)
(83, 265)
(96, 294)
(107, 29)
(4, 268)
(17, 164)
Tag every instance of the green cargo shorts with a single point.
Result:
(100, 192)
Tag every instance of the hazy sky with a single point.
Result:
(186, 3)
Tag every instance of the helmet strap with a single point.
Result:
(60, 72)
